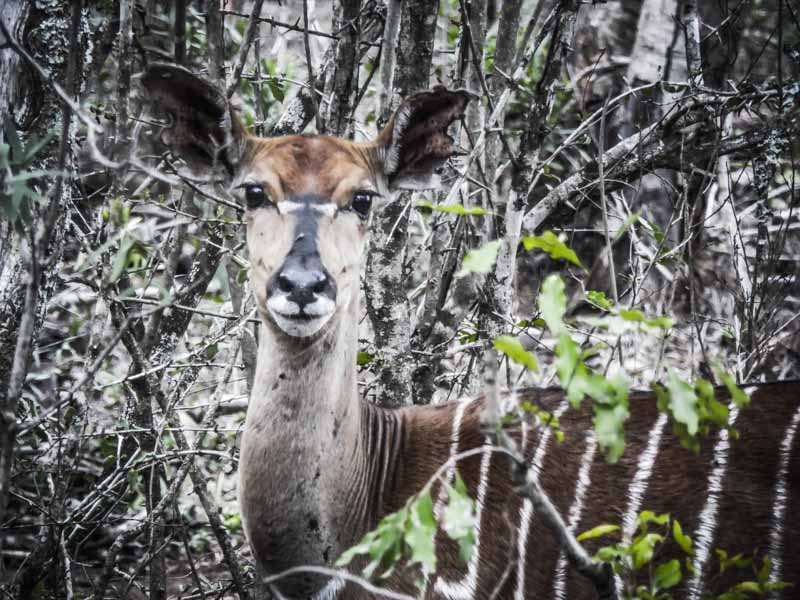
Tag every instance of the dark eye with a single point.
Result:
(361, 203)
(254, 195)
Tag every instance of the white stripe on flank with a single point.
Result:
(706, 528)
(450, 473)
(331, 590)
(526, 511)
(575, 511)
(465, 589)
(638, 488)
(781, 501)
(644, 470)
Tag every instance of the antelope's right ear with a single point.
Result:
(415, 143)
(206, 131)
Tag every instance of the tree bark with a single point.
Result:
(29, 269)
(385, 280)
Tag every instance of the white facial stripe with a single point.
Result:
(707, 526)
(575, 512)
(781, 500)
(526, 511)
(286, 207)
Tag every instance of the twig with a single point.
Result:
(604, 205)
(360, 581)
(276, 23)
(244, 49)
(311, 79)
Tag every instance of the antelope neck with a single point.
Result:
(315, 459)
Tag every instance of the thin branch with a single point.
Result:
(244, 49)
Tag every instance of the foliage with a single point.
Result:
(18, 191)
(649, 571)
(480, 260)
(554, 246)
(407, 537)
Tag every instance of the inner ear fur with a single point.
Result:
(415, 142)
(206, 130)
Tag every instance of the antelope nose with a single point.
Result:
(303, 286)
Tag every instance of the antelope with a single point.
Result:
(319, 466)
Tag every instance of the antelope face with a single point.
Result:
(307, 199)
(308, 203)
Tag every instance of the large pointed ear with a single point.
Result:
(206, 130)
(415, 143)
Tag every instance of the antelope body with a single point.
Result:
(319, 466)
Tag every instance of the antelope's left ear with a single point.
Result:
(415, 143)
(206, 130)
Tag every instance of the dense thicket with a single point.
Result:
(658, 139)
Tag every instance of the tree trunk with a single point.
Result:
(43, 30)
(385, 281)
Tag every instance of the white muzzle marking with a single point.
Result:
(287, 314)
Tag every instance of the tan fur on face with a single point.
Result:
(329, 168)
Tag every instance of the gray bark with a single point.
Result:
(385, 286)
(345, 75)
(28, 272)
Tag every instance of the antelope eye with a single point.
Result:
(254, 195)
(361, 203)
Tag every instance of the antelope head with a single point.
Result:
(308, 199)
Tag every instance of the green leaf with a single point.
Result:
(455, 209)
(642, 549)
(609, 428)
(683, 402)
(421, 534)
(596, 532)
(550, 243)
(599, 299)
(667, 575)
(765, 570)
(364, 358)
(738, 395)
(571, 371)
(647, 517)
(480, 260)
(629, 220)
(683, 540)
(276, 87)
(637, 316)
(748, 587)
(459, 518)
(120, 259)
(513, 349)
(233, 521)
(553, 303)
